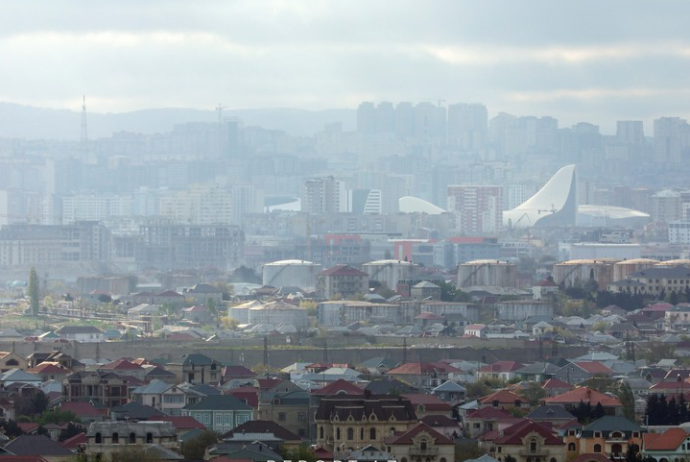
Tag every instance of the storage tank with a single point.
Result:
(623, 269)
(672, 263)
(575, 273)
(487, 273)
(292, 273)
(279, 313)
(389, 272)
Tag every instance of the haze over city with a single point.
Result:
(577, 61)
(344, 230)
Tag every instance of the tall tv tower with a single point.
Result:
(84, 142)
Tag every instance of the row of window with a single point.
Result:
(115, 438)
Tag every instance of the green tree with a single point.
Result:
(31, 406)
(533, 392)
(34, 291)
(301, 453)
(72, 429)
(467, 450)
(627, 399)
(11, 429)
(196, 447)
(56, 416)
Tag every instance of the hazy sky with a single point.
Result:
(577, 60)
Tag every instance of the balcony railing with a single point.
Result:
(534, 452)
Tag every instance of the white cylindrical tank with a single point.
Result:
(575, 273)
(389, 272)
(279, 313)
(672, 263)
(494, 273)
(623, 269)
(240, 313)
(295, 273)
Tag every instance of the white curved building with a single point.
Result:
(411, 204)
(555, 204)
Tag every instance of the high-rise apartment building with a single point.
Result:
(468, 126)
(479, 209)
(671, 139)
(324, 195)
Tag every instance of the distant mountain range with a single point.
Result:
(18, 121)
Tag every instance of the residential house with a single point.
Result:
(11, 360)
(288, 408)
(610, 436)
(425, 290)
(37, 445)
(49, 371)
(672, 444)
(107, 438)
(450, 392)
(197, 313)
(421, 442)
(196, 368)
(257, 428)
(537, 372)
(236, 376)
(202, 293)
(480, 421)
(107, 389)
(220, 413)
(527, 441)
(124, 368)
(423, 375)
(476, 330)
(572, 399)
(504, 399)
(346, 423)
(427, 404)
(167, 398)
(81, 334)
(580, 371)
(553, 415)
(500, 370)
(341, 280)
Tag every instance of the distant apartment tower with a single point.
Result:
(479, 209)
(671, 138)
(198, 205)
(324, 195)
(468, 126)
(630, 132)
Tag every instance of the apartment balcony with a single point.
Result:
(415, 451)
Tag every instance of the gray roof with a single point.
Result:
(219, 403)
(550, 412)
(36, 445)
(70, 329)
(676, 272)
(154, 387)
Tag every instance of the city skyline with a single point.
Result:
(575, 61)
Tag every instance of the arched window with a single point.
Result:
(571, 447)
(372, 433)
(443, 459)
(116, 438)
(12, 362)
(392, 431)
(404, 459)
(149, 438)
(361, 433)
(350, 433)
(99, 438)
(533, 445)
(132, 438)
(553, 459)
(616, 449)
(597, 448)
(422, 445)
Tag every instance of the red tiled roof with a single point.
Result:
(489, 413)
(503, 397)
(80, 409)
(74, 442)
(239, 372)
(28, 427)
(121, 364)
(422, 368)
(339, 387)
(430, 402)
(593, 367)
(515, 434)
(408, 437)
(502, 366)
(47, 368)
(586, 395)
(669, 440)
(555, 383)
(9, 458)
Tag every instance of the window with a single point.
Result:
(149, 438)
(116, 438)
(350, 434)
(597, 448)
(321, 432)
(281, 417)
(337, 433)
(99, 438)
(132, 438)
(533, 445)
(372, 433)
(571, 446)
(302, 416)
